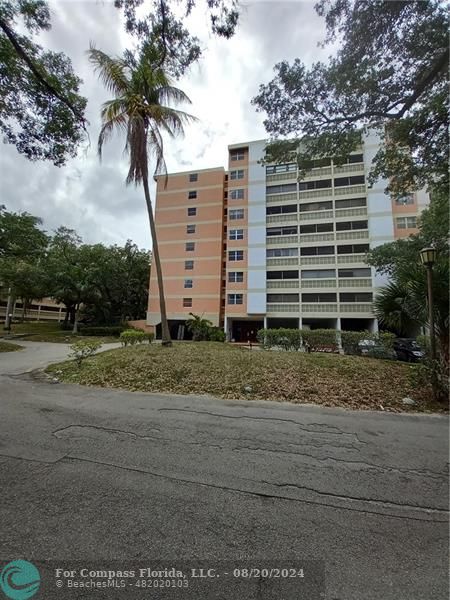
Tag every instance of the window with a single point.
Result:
(355, 297)
(187, 302)
(406, 222)
(355, 158)
(235, 298)
(236, 213)
(317, 251)
(237, 154)
(190, 228)
(282, 298)
(237, 194)
(316, 228)
(282, 274)
(354, 273)
(351, 203)
(353, 180)
(404, 200)
(322, 297)
(190, 246)
(188, 283)
(287, 168)
(193, 177)
(281, 210)
(318, 184)
(275, 252)
(309, 206)
(235, 277)
(239, 174)
(236, 255)
(319, 274)
(192, 194)
(192, 212)
(290, 230)
(188, 265)
(353, 249)
(318, 163)
(236, 234)
(281, 189)
(347, 225)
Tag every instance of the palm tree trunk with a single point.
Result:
(165, 333)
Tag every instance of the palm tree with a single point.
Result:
(140, 109)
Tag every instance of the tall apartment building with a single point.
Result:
(254, 247)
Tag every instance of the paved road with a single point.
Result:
(95, 474)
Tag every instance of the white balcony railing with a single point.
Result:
(282, 239)
(351, 212)
(315, 215)
(356, 307)
(285, 308)
(353, 235)
(275, 262)
(316, 237)
(290, 197)
(273, 284)
(345, 259)
(353, 282)
(287, 218)
(319, 308)
(347, 190)
(325, 193)
(318, 260)
(352, 168)
(318, 283)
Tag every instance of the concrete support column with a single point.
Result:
(338, 335)
(374, 326)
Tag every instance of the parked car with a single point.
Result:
(375, 350)
(408, 350)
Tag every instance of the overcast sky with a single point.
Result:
(91, 197)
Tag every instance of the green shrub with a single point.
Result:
(130, 337)
(350, 340)
(215, 334)
(84, 349)
(320, 340)
(113, 330)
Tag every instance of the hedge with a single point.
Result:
(130, 337)
(114, 330)
(325, 340)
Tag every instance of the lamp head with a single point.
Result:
(428, 256)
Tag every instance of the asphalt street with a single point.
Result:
(96, 476)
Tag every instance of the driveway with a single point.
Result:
(105, 478)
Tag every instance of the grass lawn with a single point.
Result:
(8, 347)
(50, 331)
(225, 370)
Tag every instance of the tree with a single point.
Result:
(142, 90)
(404, 301)
(41, 111)
(162, 28)
(199, 327)
(22, 246)
(389, 74)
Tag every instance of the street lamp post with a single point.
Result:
(428, 258)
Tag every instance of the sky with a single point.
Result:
(91, 197)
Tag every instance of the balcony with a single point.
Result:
(347, 190)
(290, 197)
(282, 239)
(319, 308)
(363, 234)
(345, 259)
(352, 168)
(275, 284)
(318, 260)
(325, 193)
(284, 308)
(318, 172)
(289, 176)
(318, 283)
(315, 215)
(316, 237)
(278, 262)
(355, 282)
(351, 212)
(287, 218)
(357, 307)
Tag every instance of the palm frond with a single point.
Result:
(112, 71)
(136, 146)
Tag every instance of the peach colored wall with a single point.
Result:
(172, 219)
